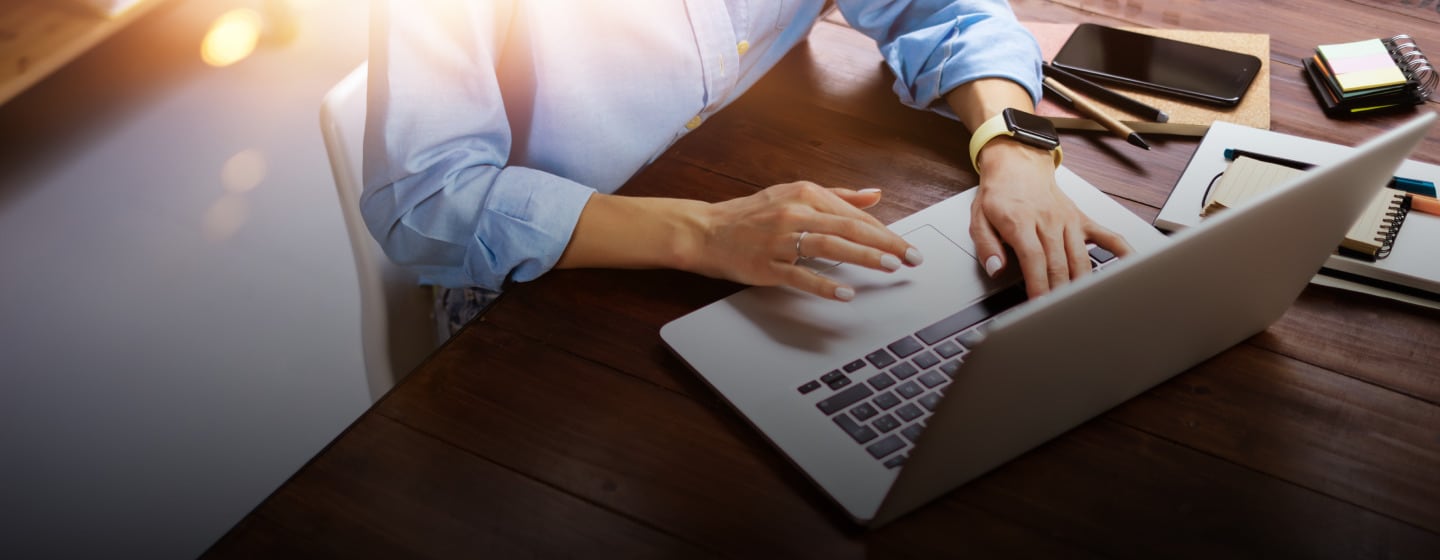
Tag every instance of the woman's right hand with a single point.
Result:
(758, 239)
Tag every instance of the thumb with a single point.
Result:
(987, 243)
(862, 199)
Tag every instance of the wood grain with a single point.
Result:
(37, 37)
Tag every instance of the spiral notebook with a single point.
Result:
(1371, 237)
(1371, 76)
(1411, 271)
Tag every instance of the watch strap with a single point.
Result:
(987, 131)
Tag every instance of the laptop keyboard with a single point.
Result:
(881, 400)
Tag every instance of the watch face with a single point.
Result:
(1031, 129)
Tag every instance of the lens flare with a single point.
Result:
(232, 37)
(243, 171)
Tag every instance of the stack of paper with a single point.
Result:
(1351, 79)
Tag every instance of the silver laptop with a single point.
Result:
(934, 375)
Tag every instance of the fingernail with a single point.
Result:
(869, 190)
(844, 293)
(992, 265)
(913, 256)
(890, 262)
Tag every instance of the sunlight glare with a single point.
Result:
(232, 37)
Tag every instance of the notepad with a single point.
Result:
(1361, 65)
(1372, 236)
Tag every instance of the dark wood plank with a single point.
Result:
(1423, 11)
(1339, 436)
(641, 450)
(1387, 343)
(1114, 491)
(648, 453)
(387, 491)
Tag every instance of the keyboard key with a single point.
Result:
(909, 412)
(854, 366)
(903, 370)
(924, 360)
(932, 379)
(895, 461)
(929, 401)
(886, 400)
(912, 432)
(979, 311)
(1100, 255)
(881, 381)
(811, 386)
(885, 447)
(885, 423)
(863, 412)
(859, 433)
(948, 349)
(905, 346)
(909, 390)
(950, 368)
(835, 379)
(880, 359)
(970, 338)
(842, 400)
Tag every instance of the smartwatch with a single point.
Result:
(1029, 129)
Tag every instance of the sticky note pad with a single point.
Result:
(1361, 65)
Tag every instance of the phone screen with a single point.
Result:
(1188, 70)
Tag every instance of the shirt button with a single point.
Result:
(742, 47)
(693, 123)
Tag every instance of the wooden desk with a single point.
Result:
(558, 424)
(38, 37)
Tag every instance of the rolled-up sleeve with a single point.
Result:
(439, 195)
(935, 45)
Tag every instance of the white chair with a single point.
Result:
(396, 325)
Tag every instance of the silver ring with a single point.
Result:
(799, 255)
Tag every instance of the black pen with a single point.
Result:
(1110, 96)
(1416, 186)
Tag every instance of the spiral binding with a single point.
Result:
(1414, 64)
(1395, 217)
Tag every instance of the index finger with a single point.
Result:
(869, 231)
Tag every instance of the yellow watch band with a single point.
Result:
(991, 128)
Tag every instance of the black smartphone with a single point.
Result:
(1187, 70)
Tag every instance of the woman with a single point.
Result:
(499, 129)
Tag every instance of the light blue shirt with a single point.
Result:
(491, 122)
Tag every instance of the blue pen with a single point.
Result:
(1416, 186)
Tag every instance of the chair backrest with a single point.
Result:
(396, 324)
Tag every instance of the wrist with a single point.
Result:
(1003, 152)
(1019, 126)
(688, 225)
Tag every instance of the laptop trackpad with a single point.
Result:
(884, 305)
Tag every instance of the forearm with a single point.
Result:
(635, 232)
